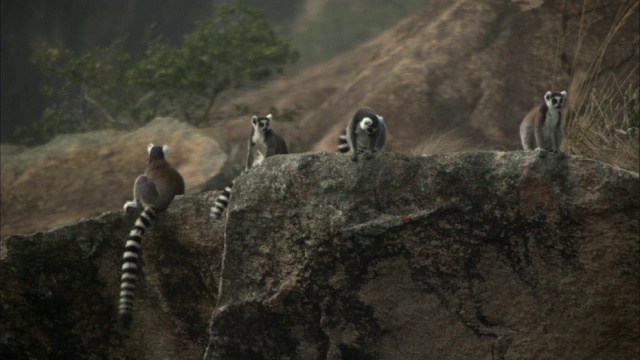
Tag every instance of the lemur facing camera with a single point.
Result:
(541, 129)
(263, 143)
(366, 133)
(153, 192)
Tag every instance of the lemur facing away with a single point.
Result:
(541, 128)
(366, 132)
(153, 192)
(263, 143)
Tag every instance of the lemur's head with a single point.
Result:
(262, 123)
(555, 100)
(370, 123)
(157, 152)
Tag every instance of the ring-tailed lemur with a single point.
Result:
(263, 143)
(343, 143)
(152, 191)
(541, 128)
(366, 132)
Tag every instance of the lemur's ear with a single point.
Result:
(165, 151)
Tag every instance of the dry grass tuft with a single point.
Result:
(608, 126)
(604, 115)
(446, 142)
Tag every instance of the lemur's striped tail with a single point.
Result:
(343, 144)
(130, 266)
(221, 203)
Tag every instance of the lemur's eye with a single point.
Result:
(554, 101)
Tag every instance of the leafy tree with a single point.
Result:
(85, 91)
(108, 88)
(236, 46)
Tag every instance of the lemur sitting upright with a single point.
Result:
(366, 132)
(153, 192)
(541, 128)
(263, 143)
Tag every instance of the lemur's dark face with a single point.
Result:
(370, 124)
(262, 123)
(555, 100)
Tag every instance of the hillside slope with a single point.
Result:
(475, 65)
(81, 175)
(478, 66)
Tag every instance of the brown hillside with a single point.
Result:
(474, 65)
(81, 175)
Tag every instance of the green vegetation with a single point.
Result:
(86, 91)
(109, 88)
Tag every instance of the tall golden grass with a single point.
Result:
(603, 120)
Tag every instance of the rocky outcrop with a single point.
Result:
(461, 256)
(498, 255)
(81, 175)
(60, 289)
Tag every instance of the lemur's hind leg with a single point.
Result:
(144, 192)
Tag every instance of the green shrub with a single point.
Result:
(108, 88)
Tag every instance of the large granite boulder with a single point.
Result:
(461, 256)
(499, 255)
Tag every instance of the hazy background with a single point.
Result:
(319, 29)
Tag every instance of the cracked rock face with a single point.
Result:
(459, 256)
(485, 255)
(60, 289)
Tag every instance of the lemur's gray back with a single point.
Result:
(153, 192)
